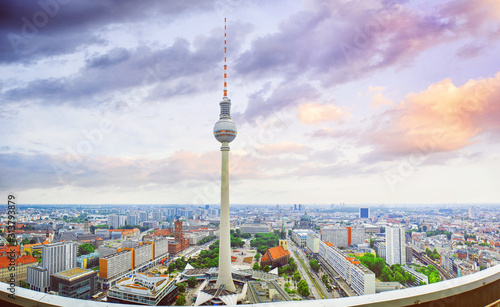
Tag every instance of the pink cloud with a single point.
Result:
(281, 148)
(378, 99)
(443, 117)
(311, 113)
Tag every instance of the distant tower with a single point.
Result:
(178, 236)
(283, 242)
(225, 132)
(86, 227)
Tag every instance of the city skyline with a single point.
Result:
(388, 104)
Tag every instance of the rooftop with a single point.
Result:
(73, 273)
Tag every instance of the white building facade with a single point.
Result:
(395, 245)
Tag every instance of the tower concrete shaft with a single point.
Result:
(225, 277)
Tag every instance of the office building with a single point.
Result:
(75, 283)
(364, 213)
(395, 245)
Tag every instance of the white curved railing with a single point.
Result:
(424, 294)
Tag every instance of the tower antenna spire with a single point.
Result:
(225, 60)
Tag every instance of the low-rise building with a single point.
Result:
(299, 236)
(255, 228)
(419, 277)
(144, 289)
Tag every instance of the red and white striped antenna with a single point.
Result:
(225, 61)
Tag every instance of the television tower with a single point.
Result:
(225, 132)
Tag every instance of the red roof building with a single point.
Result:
(21, 264)
(275, 257)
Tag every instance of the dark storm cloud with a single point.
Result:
(30, 30)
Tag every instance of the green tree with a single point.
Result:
(314, 265)
(266, 268)
(296, 275)
(192, 282)
(303, 288)
(181, 300)
(257, 256)
(25, 241)
(182, 287)
(85, 249)
(256, 266)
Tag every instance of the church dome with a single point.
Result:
(305, 218)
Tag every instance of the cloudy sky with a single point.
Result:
(362, 101)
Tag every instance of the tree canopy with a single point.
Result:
(264, 241)
(85, 249)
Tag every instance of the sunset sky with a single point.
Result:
(373, 102)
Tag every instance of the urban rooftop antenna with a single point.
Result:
(225, 61)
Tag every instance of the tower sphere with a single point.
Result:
(225, 130)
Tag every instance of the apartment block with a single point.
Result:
(115, 264)
(357, 276)
(395, 245)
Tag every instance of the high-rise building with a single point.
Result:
(364, 213)
(182, 212)
(132, 219)
(157, 216)
(143, 216)
(213, 212)
(56, 257)
(116, 221)
(170, 212)
(225, 132)
(395, 245)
